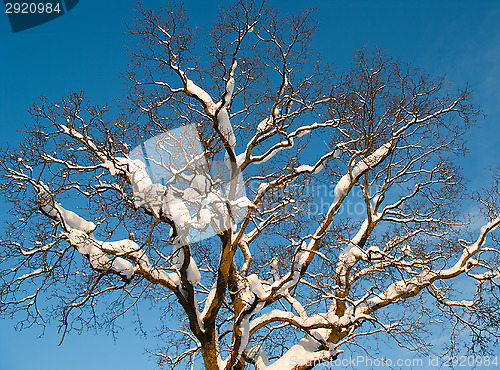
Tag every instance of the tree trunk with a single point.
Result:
(210, 353)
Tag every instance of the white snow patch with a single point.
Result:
(255, 285)
(140, 178)
(304, 168)
(208, 301)
(342, 187)
(319, 168)
(225, 127)
(303, 132)
(240, 158)
(300, 354)
(242, 202)
(197, 91)
(192, 273)
(68, 218)
(265, 124)
(205, 216)
(176, 210)
(123, 267)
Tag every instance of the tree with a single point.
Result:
(213, 214)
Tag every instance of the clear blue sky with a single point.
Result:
(84, 50)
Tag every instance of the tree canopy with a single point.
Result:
(222, 193)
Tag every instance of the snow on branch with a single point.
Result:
(344, 185)
(103, 256)
(439, 295)
(70, 220)
(246, 157)
(306, 353)
(412, 286)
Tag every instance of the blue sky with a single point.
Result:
(84, 50)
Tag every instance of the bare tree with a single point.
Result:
(266, 131)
